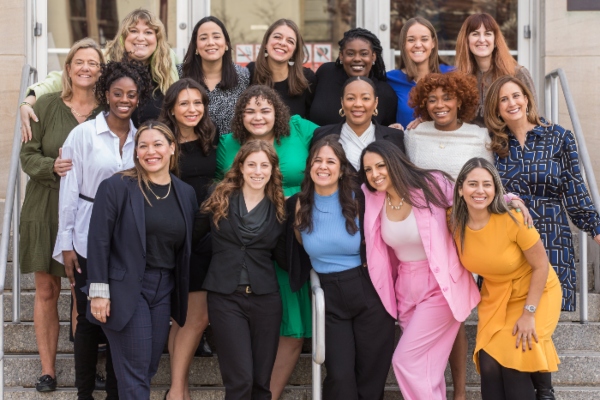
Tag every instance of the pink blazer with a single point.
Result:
(456, 283)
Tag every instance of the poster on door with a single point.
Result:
(244, 54)
(321, 54)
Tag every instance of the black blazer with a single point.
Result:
(396, 136)
(297, 262)
(117, 247)
(229, 253)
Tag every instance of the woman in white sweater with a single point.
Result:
(445, 140)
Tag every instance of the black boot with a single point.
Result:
(542, 382)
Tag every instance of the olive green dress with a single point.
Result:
(293, 151)
(39, 215)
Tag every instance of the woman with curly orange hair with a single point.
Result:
(445, 140)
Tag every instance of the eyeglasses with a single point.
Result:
(90, 64)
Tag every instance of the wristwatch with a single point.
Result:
(530, 308)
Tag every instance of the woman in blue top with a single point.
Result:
(419, 57)
(539, 162)
(359, 332)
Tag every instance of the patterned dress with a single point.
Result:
(545, 174)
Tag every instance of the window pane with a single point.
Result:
(321, 22)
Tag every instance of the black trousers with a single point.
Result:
(501, 383)
(87, 338)
(359, 337)
(246, 332)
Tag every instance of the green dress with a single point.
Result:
(293, 151)
(39, 215)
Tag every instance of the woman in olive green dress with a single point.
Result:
(261, 114)
(41, 159)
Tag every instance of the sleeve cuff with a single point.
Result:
(99, 290)
(596, 231)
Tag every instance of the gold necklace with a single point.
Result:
(82, 115)
(399, 206)
(158, 197)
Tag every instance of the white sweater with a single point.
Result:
(430, 148)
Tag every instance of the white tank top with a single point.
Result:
(403, 237)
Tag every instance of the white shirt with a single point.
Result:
(353, 144)
(94, 150)
(430, 148)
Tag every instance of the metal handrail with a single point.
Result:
(551, 108)
(11, 213)
(318, 335)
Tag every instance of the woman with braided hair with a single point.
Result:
(360, 55)
(98, 148)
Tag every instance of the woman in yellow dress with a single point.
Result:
(521, 294)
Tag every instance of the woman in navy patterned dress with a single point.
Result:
(539, 162)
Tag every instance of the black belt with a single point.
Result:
(244, 289)
(84, 197)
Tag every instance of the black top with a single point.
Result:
(298, 104)
(196, 169)
(165, 227)
(231, 251)
(150, 109)
(328, 93)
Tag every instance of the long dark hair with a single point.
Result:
(405, 176)
(346, 187)
(378, 69)
(192, 63)
(205, 128)
(297, 82)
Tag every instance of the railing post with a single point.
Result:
(16, 289)
(554, 113)
(548, 100)
(583, 278)
(318, 336)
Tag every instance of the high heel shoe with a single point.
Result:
(167, 394)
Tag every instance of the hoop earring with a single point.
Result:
(342, 113)
(266, 54)
(375, 113)
(291, 63)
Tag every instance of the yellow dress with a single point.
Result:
(496, 253)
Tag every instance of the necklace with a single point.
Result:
(81, 115)
(399, 206)
(158, 197)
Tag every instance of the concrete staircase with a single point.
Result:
(578, 346)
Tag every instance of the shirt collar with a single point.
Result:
(102, 125)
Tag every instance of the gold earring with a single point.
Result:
(342, 113)
(375, 113)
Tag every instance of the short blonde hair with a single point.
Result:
(160, 61)
(85, 43)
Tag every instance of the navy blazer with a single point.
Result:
(117, 247)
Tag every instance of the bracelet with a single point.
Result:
(23, 103)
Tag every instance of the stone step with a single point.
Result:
(577, 368)
(27, 300)
(20, 338)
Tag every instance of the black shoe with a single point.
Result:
(542, 382)
(203, 349)
(100, 382)
(45, 383)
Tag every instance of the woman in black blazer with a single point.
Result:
(359, 127)
(245, 214)
(140, 240)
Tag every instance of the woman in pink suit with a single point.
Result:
(409, 244)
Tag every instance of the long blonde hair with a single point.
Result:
(138, 172)
(160, 61)
(85, 43)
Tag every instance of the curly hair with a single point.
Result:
(192, 62)
(160, 61)
(114, 70)
(378, 69)
(218, 202)
(494, 122)
(281, 128)
(503, 63)
(297, 82)
(138, 172)
(461, 86)
(346, 187)
(205, 129)
(405, 61)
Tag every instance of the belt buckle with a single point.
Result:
(248, 289)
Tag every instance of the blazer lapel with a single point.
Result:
(136, 199)
(378, 134)
(177, 186)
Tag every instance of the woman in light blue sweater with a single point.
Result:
(359, 332)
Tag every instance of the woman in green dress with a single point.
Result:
(261, 114)
(59, 113)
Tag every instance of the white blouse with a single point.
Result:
(94, 150)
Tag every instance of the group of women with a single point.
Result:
(206, 192)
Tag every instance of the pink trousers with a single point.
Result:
(428, 333)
